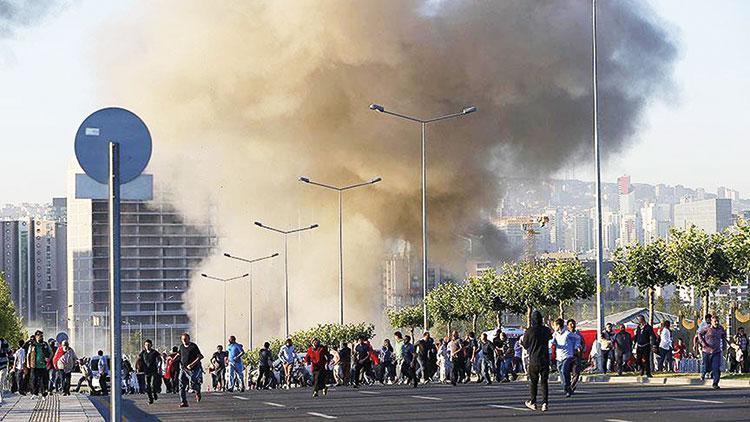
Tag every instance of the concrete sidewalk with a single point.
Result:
(74, 408)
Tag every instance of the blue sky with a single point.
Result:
(699, 138)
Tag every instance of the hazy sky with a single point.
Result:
(697, 139)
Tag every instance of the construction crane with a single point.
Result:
(529, 224)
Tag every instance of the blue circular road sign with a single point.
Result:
(113, 124)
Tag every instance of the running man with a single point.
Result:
(151, 360)
(190, 369)
(219, 363)
(236, 368)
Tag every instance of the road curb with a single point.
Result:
(606, 379)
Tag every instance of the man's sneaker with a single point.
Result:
(567, 394)
(544, 407)
(315, 394)
(156, 397)
(325, 391)
(530, 405)
(183, 404)
(716, 386)
(198, 396)
(150, 401)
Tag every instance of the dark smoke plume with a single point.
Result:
(244, 97)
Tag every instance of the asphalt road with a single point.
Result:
(593, 402)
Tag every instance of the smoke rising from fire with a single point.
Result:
(244, 97)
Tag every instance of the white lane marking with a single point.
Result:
(427, 398)
(241, 398)
(694, 400)
(500, 406)
(503, 387)
(321, 415)
(616, 420)
(369, 392)
(273, 404)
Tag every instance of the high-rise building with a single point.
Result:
(629, 229)
(623, 185)
(400, 285)
(33, 263)
(610, 230)
(582, 233)
(159, 253)
(711, 215)
(656, 219)
(726, 193)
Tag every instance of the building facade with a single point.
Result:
(159, 253)
(711, 215)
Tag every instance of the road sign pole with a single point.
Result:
(114, 282)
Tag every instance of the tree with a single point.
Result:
(643, 267)
(738, 247)
(565, 281)
(525, 285)
(11, 328)
(504, 295)
(406, 317)
(444, 304)
(328, 334)
(701, 261)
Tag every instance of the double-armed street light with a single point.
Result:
(225, 280)
(285, 234)
(340, 191)
(250, 301)
(423, 123)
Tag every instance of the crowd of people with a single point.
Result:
(38, 367)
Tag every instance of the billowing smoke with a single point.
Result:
(244, 97)
(16, 14)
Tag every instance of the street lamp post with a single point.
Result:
(250, 300)
(599, 235)
(423, 123)
(285, 233)
(225, 280)
(340, 191)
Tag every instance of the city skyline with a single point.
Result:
(40, 110)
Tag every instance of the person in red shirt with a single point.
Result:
(317, 357)
(678, 353)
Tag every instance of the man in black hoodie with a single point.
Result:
(536, 342)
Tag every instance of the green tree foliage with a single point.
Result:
(701, 261)
(406, 317)
(565, 281)
(328, 334)
(476, 297)
(643, 267)
(738, 247)
(11, 328)
(525, 286)
(444, 304)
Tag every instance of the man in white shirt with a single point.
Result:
(665, 348)
(563, 354)
(19, 359)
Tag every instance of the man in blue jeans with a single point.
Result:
(564, 354)
(190, 369)
(236, 353)
(713, 340)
